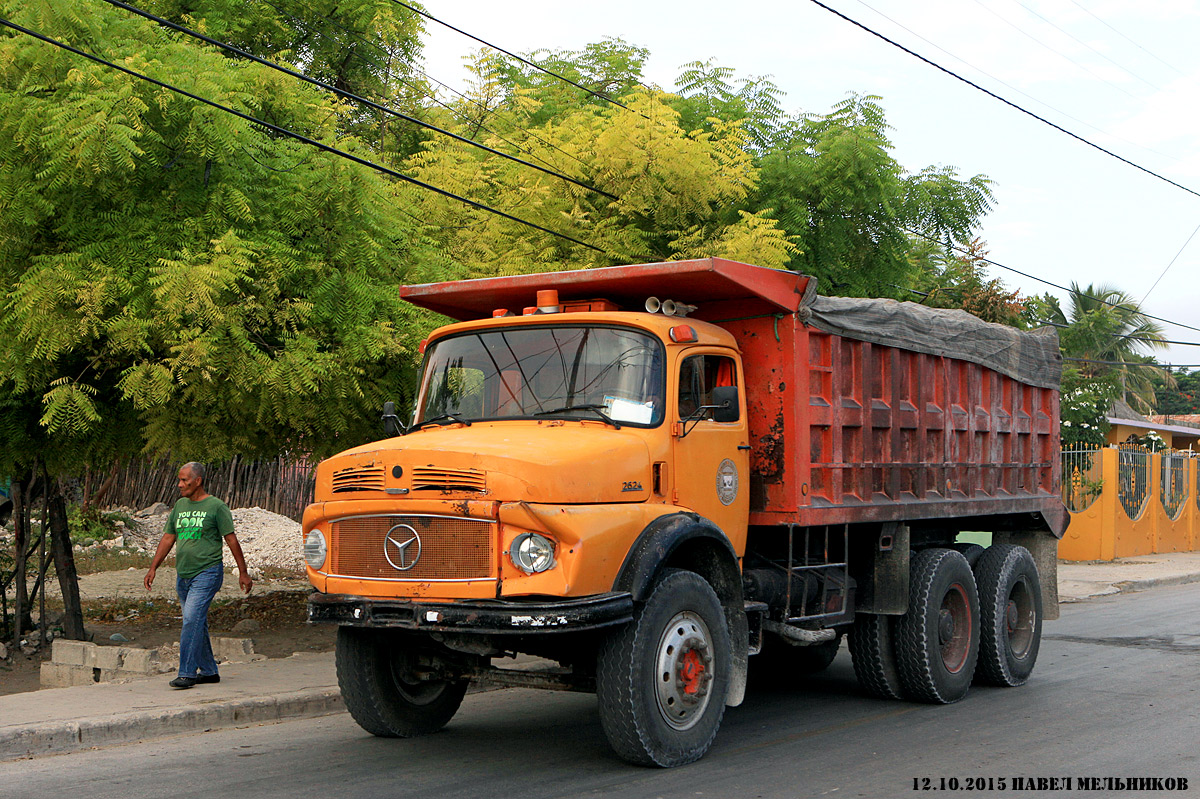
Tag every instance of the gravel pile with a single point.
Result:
(267, 539)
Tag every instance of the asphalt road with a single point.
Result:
(1116, 693)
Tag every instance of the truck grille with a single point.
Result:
(452, 548)
(429, 478)
(358, 478)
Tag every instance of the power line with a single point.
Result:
(348, 95)
(1126, 38)
(995, 96)
(1007, 85)
(1058, 286)
(1136, 363)
(511, 54)
(1060, 325)
(431, 95)
(297, 136)
(1088, 46)
(1173, 260)
(1033, 38)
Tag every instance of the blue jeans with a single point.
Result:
(195, 595)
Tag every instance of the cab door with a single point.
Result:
(711, 458)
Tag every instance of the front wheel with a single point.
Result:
(661, 680)
(377, 675)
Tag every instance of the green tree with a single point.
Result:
(709, 94)
(610, 68)
(853, 211)
(679, 193)
(958, 279)
(1104, 329)
(178, 279)
(1183, 397)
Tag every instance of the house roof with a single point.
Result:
(1122, 411)
(1184, 419)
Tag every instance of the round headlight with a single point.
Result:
(314, 548)
(532, 553)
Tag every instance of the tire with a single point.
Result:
(873, 653)
(971, 552)
(661, 680)
(1010, 615)
(781, 662)
(372, 669)
(937, 640)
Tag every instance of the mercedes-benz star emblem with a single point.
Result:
(398, 547)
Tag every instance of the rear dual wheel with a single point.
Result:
(1010, 615)
(937, 640)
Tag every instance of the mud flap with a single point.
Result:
(739, 662)
(885, 591)
(1044, 548)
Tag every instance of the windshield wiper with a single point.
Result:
(596, 409)
(440, 420)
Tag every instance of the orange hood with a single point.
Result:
(545, 461)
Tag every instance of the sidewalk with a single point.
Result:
(305, 685)
(1079, 581)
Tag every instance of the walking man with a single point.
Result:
(198, 522)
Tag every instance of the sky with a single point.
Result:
(1123, 75)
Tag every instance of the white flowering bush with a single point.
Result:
(1083, 406)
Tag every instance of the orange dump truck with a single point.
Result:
(648, 474)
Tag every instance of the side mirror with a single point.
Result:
(392, 425)
(725, 404)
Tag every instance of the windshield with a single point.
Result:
(524, 372)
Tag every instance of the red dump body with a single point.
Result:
(842, 430)
(849, 431)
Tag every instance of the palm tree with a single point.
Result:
(1106, 324)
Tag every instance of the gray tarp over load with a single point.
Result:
(1031, 357)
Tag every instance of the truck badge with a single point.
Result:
(398, 547)
(727, 482)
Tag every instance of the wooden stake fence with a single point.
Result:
(281, 486)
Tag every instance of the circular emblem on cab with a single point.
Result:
(727, 482)
(402, 547)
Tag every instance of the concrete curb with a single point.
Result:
(57, 737)
(1131, 586)
(1156, 582)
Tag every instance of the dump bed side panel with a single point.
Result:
(845, 431)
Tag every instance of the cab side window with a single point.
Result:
(698, 376)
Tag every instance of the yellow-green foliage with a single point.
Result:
(176, 277)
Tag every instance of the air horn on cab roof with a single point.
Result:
(668, 307)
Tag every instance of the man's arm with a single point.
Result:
(235, 549)
(160, 554)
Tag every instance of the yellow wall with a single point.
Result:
(1104, 530)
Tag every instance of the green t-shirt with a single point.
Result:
(199, 528)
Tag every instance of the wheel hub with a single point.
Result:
(954, 629)
(685, 670)
(945, 627)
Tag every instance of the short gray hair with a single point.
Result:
(197, 469)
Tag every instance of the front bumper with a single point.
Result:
(485, 617)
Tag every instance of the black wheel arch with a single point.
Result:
(688, 541)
